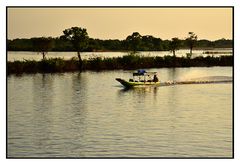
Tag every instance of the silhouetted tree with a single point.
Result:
(134, 41)
(191, 41)
(144, 43)
(147, 42)
(79, 38)
(42, 45)
(174, 45)
(222, 43)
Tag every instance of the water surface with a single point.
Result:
(23, 55)
(90, 114)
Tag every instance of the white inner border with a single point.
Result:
(5, 3)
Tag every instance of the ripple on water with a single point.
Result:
(88, 115)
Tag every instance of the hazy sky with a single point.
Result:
(118, 23)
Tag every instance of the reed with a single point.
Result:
(127, 62)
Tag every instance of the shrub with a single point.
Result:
(130, 61)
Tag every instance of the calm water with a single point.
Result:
(21, 55)
(89, 114)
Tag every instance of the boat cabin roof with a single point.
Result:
(142, 72)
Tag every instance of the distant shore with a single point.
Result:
(197, 48)
(183, 48)
(128, 62)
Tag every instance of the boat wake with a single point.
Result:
(200, 80)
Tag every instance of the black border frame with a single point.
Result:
(232, 7)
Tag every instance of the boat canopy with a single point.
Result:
(142, 72)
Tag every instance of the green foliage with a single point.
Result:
(62, 45)
(143, 43)
(174, 45)
(77, 36)
(188, 55)
(191, 41)
(223, 43)
(20, 45)
(77, 39)
(134, 41)
(149, 43)
(42, 45)
(130, 61)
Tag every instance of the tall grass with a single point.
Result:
(130, 61)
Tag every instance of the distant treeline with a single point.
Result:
(146, 43)
(128, 62)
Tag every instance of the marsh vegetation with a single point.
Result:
(130, 61)
(77, 39)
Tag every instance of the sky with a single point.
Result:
(118, 23)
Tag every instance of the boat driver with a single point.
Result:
(155, 78)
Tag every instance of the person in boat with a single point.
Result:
(155, 78)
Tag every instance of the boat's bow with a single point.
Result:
(124, 82)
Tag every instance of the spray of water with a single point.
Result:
(200, 80)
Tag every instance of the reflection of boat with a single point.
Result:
(141, 78)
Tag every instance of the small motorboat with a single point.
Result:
(141, 78)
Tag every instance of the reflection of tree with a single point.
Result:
(43, 91)
(78, 93)
(59, 112)
(42, 111)
(78, 113)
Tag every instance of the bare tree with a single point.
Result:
(191, 41)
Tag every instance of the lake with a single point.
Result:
(90, 114)
(21, 55)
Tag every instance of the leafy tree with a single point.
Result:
(147, 42)
(134, 41)
(191, 41)
(79, 38)
(174, 45)
(62, 45)
(42, 45)
(158, 44)
(223, 43)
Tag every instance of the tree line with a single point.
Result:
(77, 39)
(143, 43)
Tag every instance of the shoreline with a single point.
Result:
(197, 48)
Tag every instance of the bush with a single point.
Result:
(130, 61)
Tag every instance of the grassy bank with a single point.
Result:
(126, 62)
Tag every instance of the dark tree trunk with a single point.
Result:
(79, 60)
(43, 53)
(191, 51)
(174, 58)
